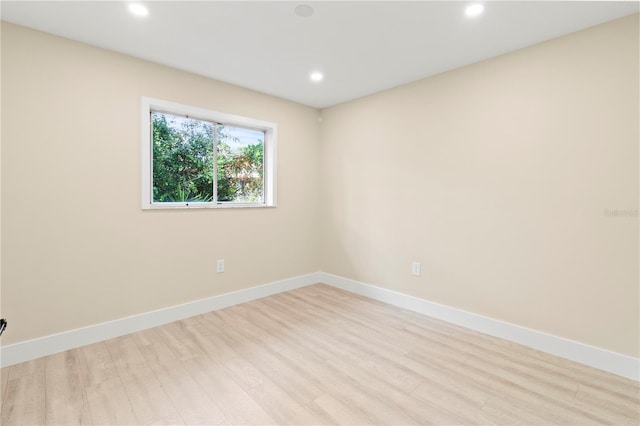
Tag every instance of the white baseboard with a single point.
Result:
(48, 345)
(602, 359)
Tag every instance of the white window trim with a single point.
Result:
(270, 132)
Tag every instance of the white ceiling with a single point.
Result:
(362, 47)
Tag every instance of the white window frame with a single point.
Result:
(157, 105)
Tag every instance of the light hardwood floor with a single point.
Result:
(315, 355)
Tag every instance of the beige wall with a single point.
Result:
(496, 177)
(77, 248)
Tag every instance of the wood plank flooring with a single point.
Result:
(315, 355)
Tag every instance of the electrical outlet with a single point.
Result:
(416, 269)
(219, 266)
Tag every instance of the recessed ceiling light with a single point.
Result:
(316, 76)
(138, 9)
(303, 10)
(474, 10)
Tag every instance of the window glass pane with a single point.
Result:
(183, 160)
(240, 165)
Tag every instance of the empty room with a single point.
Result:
(320, 213)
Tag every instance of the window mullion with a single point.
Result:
(215, 163)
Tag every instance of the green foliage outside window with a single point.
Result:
(183, 162)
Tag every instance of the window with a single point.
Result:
(194, 158)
